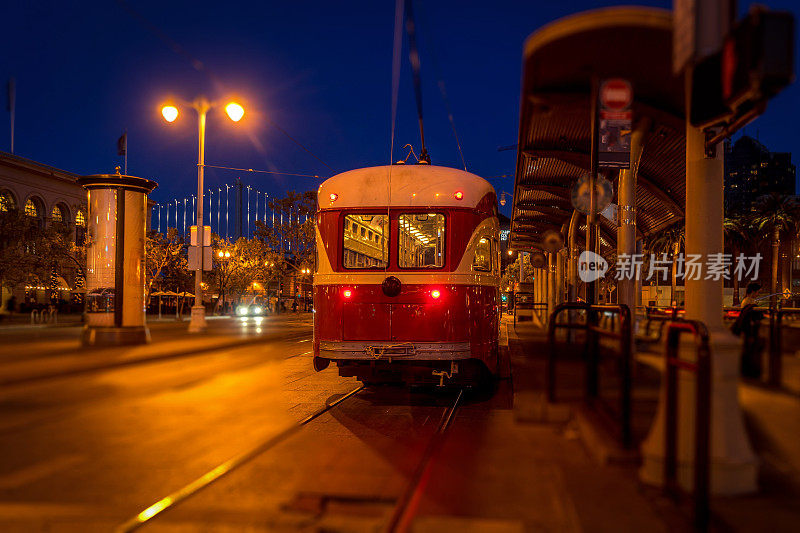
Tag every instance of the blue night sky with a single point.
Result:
(320, 70)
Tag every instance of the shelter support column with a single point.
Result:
(551, 283)
(560, 255)
(733, 464)
(626, 232)
(572, 262)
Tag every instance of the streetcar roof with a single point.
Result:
(411, 185)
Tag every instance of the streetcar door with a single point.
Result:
(365, 314)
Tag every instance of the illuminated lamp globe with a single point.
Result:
(169, 112)
(234, 111)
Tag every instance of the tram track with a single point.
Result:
(405, 506)
(189, 490)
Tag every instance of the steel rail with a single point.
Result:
(407, 504)
(173, 499)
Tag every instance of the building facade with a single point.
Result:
(49, 195)
(752, 171)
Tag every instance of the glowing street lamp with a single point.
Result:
(234, 111)
(170, 114)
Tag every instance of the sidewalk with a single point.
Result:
(772, 417)
(24, 362)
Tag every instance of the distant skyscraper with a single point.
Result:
(751, 170)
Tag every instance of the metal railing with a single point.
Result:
(533, 306)
(594, 335)
(655, 316)
(702, 436)
(775, 362)
(45, 316)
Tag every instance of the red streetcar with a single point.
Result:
(407, 286)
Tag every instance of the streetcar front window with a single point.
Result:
(360, 249)
(483, 256)
(421, 240)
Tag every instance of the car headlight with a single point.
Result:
(257, 310)
(241, 310)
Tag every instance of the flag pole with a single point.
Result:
(12, 104)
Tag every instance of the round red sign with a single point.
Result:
(616, 94)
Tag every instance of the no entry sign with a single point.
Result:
(616, 94)
(615, 119)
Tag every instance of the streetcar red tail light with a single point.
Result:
(333, 196)
(436, 294)
(459, 195)
(347, 293)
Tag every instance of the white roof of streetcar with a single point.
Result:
(411, 185)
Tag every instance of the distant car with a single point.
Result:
(250, 310)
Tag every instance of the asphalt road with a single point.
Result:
(85, 452)
(90, 451)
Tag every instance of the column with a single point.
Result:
(733, 464)
(626, 230)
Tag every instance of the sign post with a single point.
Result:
(616, 118)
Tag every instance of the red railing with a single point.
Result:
(775, 364)
(594, 334)
(702, 427)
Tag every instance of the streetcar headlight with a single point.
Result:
(458, 195)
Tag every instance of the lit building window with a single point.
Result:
(30, 209)
(6, 202)
(57, 215)
(80, 228)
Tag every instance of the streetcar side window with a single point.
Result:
(421, 240)
(483, 256)
(362, 252)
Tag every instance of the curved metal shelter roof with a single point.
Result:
(560, 61)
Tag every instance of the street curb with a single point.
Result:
(139, 360)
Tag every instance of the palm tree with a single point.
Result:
(775, 213)
(739, 237)
(670, 241)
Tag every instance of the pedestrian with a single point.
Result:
(750, 294)
(294, 306)
(748, 326)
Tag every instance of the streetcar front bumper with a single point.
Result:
(397, 350)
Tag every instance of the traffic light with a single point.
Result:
(756, 61)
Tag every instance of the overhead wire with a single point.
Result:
(266, 171)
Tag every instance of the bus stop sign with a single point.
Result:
(615, 122)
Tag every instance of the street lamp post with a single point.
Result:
(170, 113)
